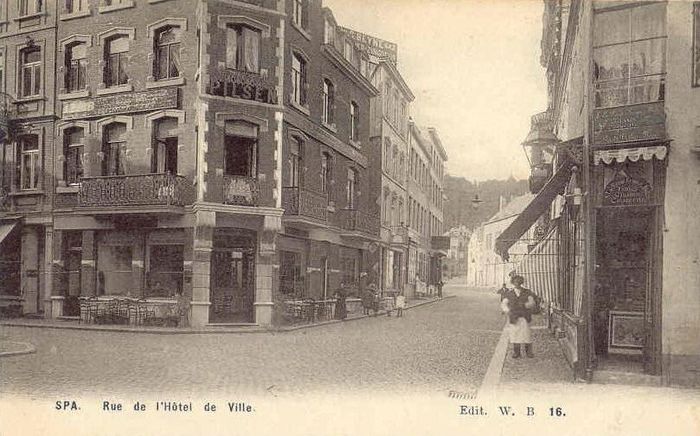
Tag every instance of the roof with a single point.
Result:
(394, 72)
(513, 208)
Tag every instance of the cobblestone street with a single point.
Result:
(439, 347)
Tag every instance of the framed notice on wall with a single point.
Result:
(626, 332)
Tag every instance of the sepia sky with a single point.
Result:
(474, 68)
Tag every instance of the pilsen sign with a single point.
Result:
(154, 99)
(242, 84)
(376, 47)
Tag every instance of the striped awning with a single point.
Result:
(540, 268)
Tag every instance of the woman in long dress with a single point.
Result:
(519, 304)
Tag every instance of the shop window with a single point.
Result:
(299, 84)
(630, 55)
(114, 269)
(167, 53)
(350, 271)
(294, 163)
(165, 270)
(291, 280)
(165, 144)
(76, 67)
(30, 72)
(300, 13)
(29, 163)
(73, 145)
(116, 61)
(351, 190)
(114, 149)
(240, 149)
(10, 262)
(328, 115)
(243, 48)
(354, 121)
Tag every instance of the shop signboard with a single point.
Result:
(144, 101)
(375, 47)
(641, 122)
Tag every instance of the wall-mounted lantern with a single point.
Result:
(540, 146)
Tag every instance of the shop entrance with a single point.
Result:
(232, 286)
(624, 314)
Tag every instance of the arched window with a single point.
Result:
(328, 102)
(167, 53)
(116, 62)
(73, 143)
(165, 143)
(114, 149)
(76, 67)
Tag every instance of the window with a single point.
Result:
(299, 13)
(325, 173)
(73, 143)
(114, 269)
(243, 49)
(629, 55)
(387, 210)
(328, 102)
(116, 61)
(167, 53)
(348, 50)
(240, 149)
(329, 33)
(291, 279)
(294, 163)
(30, 72)
(2, 71)
(299, 80)
(29, 165)
(351, 189)
(696, 44)
(76, 67)
(350, 270)
(30, 7)
(165, 270)
(114, 149)
(354, 121)
(387, 157)
(165, 143)
(73, 6)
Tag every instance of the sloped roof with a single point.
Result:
(513, 208)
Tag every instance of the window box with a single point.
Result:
(73, 95)
(175, 81)
(115, 89)
(125, 4)
(300, 108)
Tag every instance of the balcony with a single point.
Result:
(139, 190)
(303, 203)
(241, 191)
(358, 221)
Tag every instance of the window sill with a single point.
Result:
(175, 81)
(73, 15)
(73, 95)
(125, 5)
(330, 127)
(115, 89)
(301, 30)
(300, 108)
(30, 16)
(29, 99)
(70, 189)
(26, 192)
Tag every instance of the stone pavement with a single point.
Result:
(548, 366)
(435, 348)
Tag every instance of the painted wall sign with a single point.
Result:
(144, 101)
(625, 190)
(242, 84)
(376, 47)
(629, 123)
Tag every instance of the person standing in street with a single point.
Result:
(400, 304)
(368, 297)
(341, 310)
(519, 304)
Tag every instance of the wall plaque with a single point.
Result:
(144, 101)
(639, 122)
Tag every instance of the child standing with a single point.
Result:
(400, 305)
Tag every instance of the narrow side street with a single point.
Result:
(436, 348)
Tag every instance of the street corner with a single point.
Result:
(15, 348)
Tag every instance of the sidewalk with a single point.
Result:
(548, 366)
(74, 325)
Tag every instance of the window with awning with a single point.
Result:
(540, 268)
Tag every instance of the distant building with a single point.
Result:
(455, 264)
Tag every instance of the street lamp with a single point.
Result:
(540, 146)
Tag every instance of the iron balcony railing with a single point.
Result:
(135, 190)
(300, 202)
(357, 220)
(241, 190)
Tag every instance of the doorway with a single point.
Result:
(232, 286)
(624, 311)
